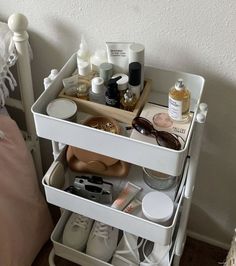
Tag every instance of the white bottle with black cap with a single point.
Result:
(135, 78)
(97, 92)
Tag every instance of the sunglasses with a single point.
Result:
(163, 138)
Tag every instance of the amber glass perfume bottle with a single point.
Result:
(83, 92)
(179, 102)
(128, 101)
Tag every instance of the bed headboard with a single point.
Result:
(18, 24)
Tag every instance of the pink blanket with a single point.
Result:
(25, 222)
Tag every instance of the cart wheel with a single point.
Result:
(51, 258)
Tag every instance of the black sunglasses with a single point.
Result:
(163, 138)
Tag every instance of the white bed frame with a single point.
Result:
(18, 24)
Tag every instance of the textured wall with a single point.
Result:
(193, 36)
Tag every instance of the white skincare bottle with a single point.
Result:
(83, 52)
(46, 82)
(97, 92)
(53, 74)
(84, 71)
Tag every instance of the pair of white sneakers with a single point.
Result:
(95, 238)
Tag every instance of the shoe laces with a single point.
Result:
(101, 230)
(81, 221)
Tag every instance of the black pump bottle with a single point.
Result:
(112, 95)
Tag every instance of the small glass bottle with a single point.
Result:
(128, 101)
(179, 102)
(83, 92)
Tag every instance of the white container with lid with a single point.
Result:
(157, 207)
(63, 109)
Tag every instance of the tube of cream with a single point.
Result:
(126, 195)
(118, 55)
(133, 206)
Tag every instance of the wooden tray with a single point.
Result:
(104, 110)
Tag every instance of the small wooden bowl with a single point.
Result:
(103, 123)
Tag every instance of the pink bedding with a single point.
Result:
(25, 222)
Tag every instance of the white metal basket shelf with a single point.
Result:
(119, 146)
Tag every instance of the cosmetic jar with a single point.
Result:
(105, 71)
(158, 180)
(157, 207)
(63, 109)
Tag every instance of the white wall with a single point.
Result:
(192, 36)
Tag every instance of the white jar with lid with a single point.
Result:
(157, 207)
(63, 109)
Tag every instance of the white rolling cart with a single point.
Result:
(141, 154)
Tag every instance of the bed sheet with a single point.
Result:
(25, 221)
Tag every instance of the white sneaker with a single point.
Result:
(158, 257)
(76, 231)
(127, 253)
(102, 241)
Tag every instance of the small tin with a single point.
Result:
(63, 109)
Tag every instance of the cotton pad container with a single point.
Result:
(157, 207)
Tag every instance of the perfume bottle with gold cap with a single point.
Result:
(179, 102)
